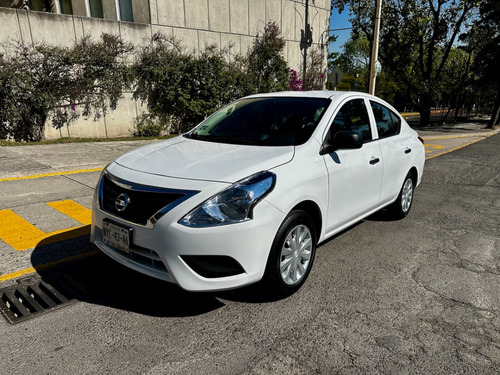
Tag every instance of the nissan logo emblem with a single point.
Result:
(121, 202)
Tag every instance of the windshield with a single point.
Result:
(282, 121)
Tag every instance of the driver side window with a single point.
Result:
(353, 116)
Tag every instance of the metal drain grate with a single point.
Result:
(29, 298)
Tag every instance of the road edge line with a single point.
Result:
(458, 148)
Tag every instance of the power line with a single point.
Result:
(339, 29)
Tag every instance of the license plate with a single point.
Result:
(116, 236)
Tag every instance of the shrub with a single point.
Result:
(295, 81)
(266, 64)
(148, 125)
(42, 82)
(185, 88)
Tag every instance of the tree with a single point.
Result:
(42, 82)
(181, 89)
(417, 37)
(487, 33)
(266, 65)
(315, 72)
(354, 61)
(332, 56)
(457, 79)
(355, 56)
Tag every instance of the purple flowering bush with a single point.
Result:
(295, 82)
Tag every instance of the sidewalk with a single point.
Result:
(446, 138)
(19, 161)
(24, 161)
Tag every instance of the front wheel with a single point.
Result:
(401, 207)
(292, 254)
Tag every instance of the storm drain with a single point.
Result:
(32, 297)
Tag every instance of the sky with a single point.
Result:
(339, 21)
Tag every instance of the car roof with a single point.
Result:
(312, 94)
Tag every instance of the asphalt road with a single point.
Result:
(416, 296)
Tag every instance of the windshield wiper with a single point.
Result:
(221, 139)
(202, 137)
(233, 140)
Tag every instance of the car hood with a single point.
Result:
(185, 158)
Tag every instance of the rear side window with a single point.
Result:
(388, 123)
(353, 116)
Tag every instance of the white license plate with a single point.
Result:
(116, 236)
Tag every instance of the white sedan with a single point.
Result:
(248, 194)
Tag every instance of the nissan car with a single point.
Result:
(248, 194)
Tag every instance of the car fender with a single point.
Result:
(303, 179)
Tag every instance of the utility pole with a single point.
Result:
(374, 57)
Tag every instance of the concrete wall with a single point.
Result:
(195, 23)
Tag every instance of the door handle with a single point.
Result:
(408, 150)
(374, 161)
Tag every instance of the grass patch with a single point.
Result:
(82, 140)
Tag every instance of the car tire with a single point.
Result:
(402, 205)
(292, 254)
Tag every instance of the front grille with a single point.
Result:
(143, 202)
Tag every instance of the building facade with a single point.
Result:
(195, 23)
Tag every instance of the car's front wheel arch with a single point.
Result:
(292, 255)
(314, 212)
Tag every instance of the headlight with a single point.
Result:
(98, 189)
(233, 205)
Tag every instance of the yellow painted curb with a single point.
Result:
(481, 138)
(50, 174)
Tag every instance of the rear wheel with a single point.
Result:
(292, 254)
(401, 207)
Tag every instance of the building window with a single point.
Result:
(65, 7)
(41, 5)
(125, 10)
(95, 8)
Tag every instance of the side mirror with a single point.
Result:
(342, 140)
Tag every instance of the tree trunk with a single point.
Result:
(495, 115)
(425, 109)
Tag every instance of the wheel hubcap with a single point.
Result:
(407, 195)
(296, 254)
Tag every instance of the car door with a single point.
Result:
(354, 175)
(396, 148)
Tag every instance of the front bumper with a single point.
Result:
(197, 259)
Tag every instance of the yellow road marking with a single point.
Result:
(456, 136)
(50, 174)
(17, 232)
(405, 115)
(454, 149)
(73, 210)
(22, 235)
(44, 266)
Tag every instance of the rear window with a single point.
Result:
(282, 121)
(388, 123)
